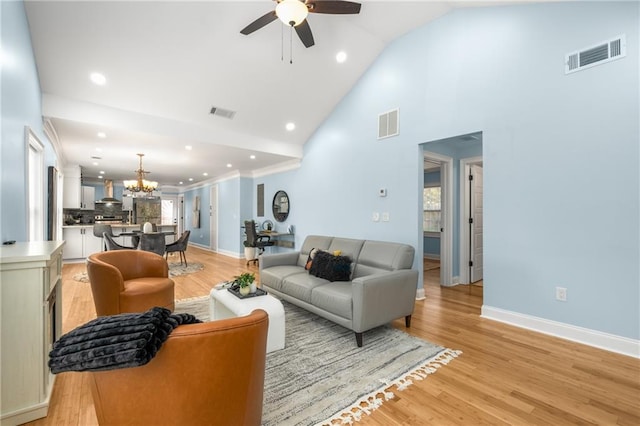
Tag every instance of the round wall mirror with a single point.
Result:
(280, 206)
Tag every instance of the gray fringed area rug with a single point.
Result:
(175, 270)
(321, 377)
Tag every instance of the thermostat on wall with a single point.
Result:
(382, 192)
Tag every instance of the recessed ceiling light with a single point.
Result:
(229, 165)
(100, 177)
(101, 172)
(205, 174)
(102, 135)
(180, 183)
(98, 78)
(253, 157)
(341, 56)
(290, 126)
(190, 179)
(95, 163)
(188, 147)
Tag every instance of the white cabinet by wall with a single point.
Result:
(31, 297)
(80, 242)
(71, 187)
(88, 198)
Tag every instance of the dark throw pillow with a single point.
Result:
(333, 268)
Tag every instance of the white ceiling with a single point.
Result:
(167, 63)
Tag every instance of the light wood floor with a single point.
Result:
(505, 375)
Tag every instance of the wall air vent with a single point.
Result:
(389, 124)
(225, 113)
(599, 54)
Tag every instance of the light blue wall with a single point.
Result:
(500, 70)
(200, 235)
(21, 106)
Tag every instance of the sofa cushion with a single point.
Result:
(330, 267)
(301, 285)
(311, 242)
(380, 256)
(335, 298)
(275, 275)
(347, 247)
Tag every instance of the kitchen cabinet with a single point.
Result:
(80, 242)
(88, 200)
(72, 188)
(31, 276)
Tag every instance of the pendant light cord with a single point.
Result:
(291, 45)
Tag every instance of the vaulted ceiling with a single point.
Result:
(168, 63)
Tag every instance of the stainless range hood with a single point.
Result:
(108, 193)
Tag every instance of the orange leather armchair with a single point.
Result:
(204, 374)
(129, 281)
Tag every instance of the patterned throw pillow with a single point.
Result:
(312, 254)
(330, 267)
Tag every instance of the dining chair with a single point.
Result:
(113, 245)
(154, 242)
(179, 246)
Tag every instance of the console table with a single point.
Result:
(31, 298)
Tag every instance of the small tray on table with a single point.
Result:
(236, 292)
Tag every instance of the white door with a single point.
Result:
(476, 223)
(213, 218)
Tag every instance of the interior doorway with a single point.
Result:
(472, 221)
(437, 229)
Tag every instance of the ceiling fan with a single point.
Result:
(294, 13)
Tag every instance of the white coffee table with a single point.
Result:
(223, 304)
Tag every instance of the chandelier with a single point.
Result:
(140, 184)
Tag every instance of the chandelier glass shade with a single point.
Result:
(140, 184)
(292, 12)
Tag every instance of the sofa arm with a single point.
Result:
(279, 259)
(382, 298)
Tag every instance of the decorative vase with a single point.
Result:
(249, 253)
(147, 228)
(253, 287)
(244, 290)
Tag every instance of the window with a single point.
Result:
(35, 185)
(431, 203)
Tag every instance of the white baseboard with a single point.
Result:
(598, 339)
(224, 252)
(420, 294)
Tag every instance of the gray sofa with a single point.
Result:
(382, 287)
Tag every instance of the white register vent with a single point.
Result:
(603, 52)
(389, 124)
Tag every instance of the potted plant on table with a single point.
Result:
(246, 282)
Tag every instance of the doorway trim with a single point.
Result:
(446, 235)
(213, 218)
(465, 197)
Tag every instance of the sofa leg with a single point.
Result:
(407, 321)
(359, 339)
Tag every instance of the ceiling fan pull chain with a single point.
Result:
(291, 44)
(282, 43)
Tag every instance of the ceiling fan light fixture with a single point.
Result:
(292, 12)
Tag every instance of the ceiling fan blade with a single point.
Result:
(265, 19)
(334, 7)
(304, 32)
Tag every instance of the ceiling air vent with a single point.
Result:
(389, 124)
(225, 113)
(599, 54)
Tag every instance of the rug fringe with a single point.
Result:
(371, 402)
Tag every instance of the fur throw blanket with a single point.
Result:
(116, 341)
